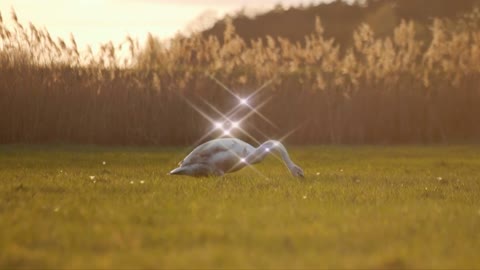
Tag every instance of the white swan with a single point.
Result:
(226, 155)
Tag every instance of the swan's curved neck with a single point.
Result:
(266, 148)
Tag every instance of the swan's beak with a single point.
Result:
(297, 172)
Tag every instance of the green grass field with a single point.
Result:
(359, 207)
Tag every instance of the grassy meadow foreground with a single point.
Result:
(359, 207)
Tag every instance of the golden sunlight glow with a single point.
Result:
(99, 21)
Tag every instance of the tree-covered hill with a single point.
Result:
(340, 19)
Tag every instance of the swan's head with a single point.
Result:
(297, 171)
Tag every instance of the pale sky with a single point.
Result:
(99, 21)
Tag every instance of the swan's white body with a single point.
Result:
(226, 155)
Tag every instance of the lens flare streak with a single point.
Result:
(228, 123)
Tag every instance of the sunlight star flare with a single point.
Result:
(243, 101)
(218, 125)
(227, 126)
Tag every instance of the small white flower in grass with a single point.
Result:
(304, 197)
(92, 177)
(104, 163)
(439, 178)
(131, 182)
(142, 182)
(317, 173)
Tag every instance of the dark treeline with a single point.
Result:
(341, 19)
(394, 88)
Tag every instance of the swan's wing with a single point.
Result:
(219, 151)
(204, 153)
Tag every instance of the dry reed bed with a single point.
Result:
(382, 90)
